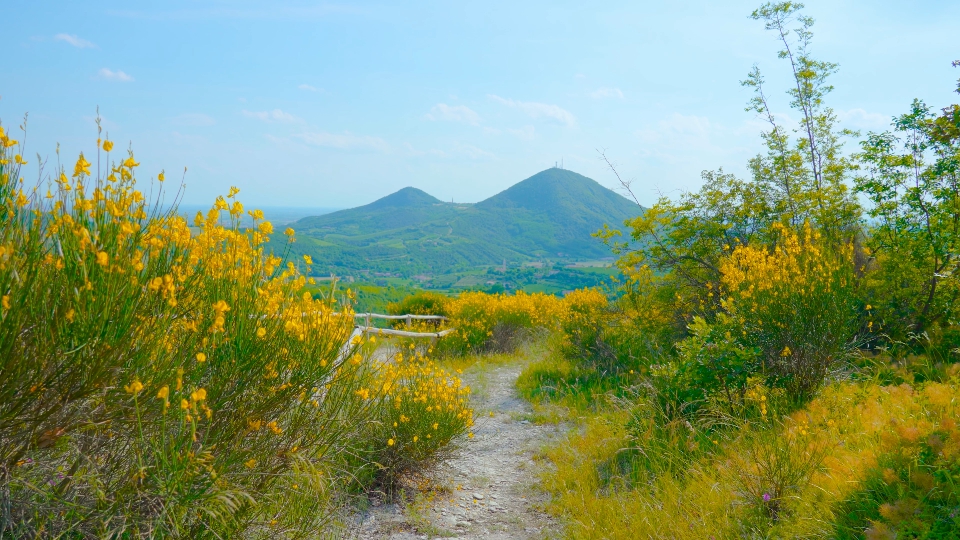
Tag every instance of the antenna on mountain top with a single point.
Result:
(561, 163)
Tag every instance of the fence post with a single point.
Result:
(409, 321)
(368, 320)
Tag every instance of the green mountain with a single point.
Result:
(549, 216)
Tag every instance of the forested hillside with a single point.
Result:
(549, 216)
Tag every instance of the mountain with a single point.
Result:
(550, 215)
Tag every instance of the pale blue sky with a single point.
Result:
(335, 105)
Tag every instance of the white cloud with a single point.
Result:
(861, 119)
(472, 151)
(601, 93)
(526, 133)
(77, 42)
(308, 88)
(431, 152)
(194, 119)
(274, 116)
(538, 110)
(455, 113)
(343, 141)
(676, 128)
(117, 75)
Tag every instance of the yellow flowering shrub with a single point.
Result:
(796, 302)
(424, 409)
(493, 322)
(168, 378)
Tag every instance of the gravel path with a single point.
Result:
(485, 492)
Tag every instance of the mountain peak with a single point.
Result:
(558, 191)
(405, 198)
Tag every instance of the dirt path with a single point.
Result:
(488, 493)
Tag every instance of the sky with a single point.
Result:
(314, 104)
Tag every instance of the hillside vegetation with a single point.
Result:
(549, 216)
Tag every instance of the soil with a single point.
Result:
(486, 491)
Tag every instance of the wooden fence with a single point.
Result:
(369, 328)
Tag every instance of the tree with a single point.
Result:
(799, 179)
(912, 177)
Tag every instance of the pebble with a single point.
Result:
(478, 496)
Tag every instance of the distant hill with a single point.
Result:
(550, 215)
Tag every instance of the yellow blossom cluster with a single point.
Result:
(477, 315)
(424, 409)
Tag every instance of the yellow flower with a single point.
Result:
(19, 160)
(307, 259)
(390, 442)
(261, 332)
(82, 166)
(266, 227)
(103, 259)
(288, 232)
(107, 145)
(160, 177)
(164, 393)
(70, 315)
(786, 352)
(415, 438)
(272, 426)
(250, 463)
(130, 163)
(201, 357)
(184, 404)
(5, 301)
(198, 395)
(255, 425)
(134, 388)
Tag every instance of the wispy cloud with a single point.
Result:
(117, 75)
(526, 133)
(343, 141)
(538, 110)
(861, 119)
(601, 93)
(685, 130)
(308, 88)
(77, 42)
(275, 116)
(472, 151)
(453, 113)
(194, 120)
(274, 12)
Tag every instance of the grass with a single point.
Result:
(860, 459)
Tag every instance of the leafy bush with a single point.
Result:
(713, 365)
